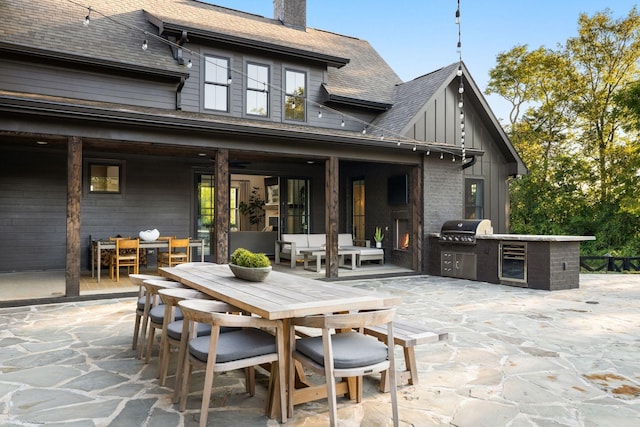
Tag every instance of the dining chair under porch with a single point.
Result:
(220, 352)
(343, 351)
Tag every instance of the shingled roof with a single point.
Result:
(118, 28)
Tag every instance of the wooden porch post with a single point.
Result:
(331, 215)
(74, 197)
(221, 208)
(417, 234)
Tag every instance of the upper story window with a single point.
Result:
(295, 95)
(258, 90)
(216, 83)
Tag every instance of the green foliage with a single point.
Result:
(255, 208)
(246, 258)
(378, 236)
(575, 122)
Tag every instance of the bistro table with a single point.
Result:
(281, 296)
(97, 246)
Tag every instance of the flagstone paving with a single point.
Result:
(514, 357)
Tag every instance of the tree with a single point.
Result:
(568, 110)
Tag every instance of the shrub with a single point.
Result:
(246, 258)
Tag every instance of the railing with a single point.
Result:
(609, 263)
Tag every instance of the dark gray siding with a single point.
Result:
(33, 189)
(158, 194)
(75, 83)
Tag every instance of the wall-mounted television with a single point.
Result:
(398, 190)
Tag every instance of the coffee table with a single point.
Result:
(309, 255)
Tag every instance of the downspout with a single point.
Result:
(179, 93)
(470, 163)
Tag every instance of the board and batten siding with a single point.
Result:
(439, 122)
(75, 83)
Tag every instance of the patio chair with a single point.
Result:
(345, 354)
(179, 252)
(127, 254)
(137, 279)
(245, 348)
(153, 313)
(172, 328)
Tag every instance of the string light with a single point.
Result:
(145, 46)
(459, 73)
(441, 156)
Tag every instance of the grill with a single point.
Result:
(464, 231)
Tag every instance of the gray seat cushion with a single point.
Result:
(141, 302)
(174, 329)
(235, 345)
(156, 314)
(350, 350)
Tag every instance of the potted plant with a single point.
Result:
(378, 236)
(247, 265)
(254, 208)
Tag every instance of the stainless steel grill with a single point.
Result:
(464, 231)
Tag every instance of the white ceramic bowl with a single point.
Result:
(149, 235)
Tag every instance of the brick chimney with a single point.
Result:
(292, 13)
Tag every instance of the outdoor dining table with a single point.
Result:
(280, 296)
(97, 246)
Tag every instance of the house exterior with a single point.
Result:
(168, 113)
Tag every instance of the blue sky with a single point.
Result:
(419, 36)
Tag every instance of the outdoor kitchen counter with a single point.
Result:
(535, 237)
(529, 237)
(548, 262)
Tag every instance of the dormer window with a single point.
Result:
(295, 95)
(257, 90)
(216, 83)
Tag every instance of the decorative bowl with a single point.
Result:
(149, 235)
(252, 274)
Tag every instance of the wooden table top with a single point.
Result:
(281, 295)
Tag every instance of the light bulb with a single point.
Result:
(415, 147)
(342, 123)
(189, 64)
(230, 80)
(453, 159)
(145, 45)
(459, 72)
(428, 152)
(87, 20)
(364, 131)
(441, 156)
(319, 114)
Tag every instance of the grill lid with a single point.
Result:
(464, 230)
